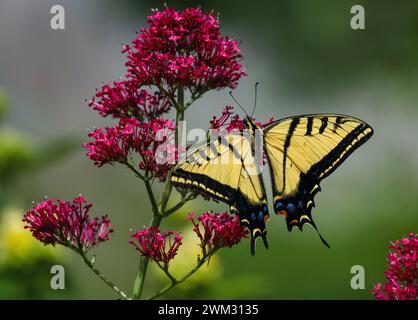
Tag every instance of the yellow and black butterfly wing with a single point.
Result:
(302, 151)
(226, 170)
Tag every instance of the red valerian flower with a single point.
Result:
(227, 114)
(150, 140)
(67, 223)
(184, 49)
(402, 275)
(157, 246)
(124, 99)
(219, 230)
(235, 122)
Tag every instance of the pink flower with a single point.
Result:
(157, 246)
(235, 122)
(219, 230)
(67, 223)
(150, 140)
(184, 49)
(402, 274)
(125, 99)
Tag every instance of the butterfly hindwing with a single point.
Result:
(302, 151)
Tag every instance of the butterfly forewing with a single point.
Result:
(225, 169)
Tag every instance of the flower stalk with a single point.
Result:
(175, 282)
(90, 264)
(158, 213)
(180, 54)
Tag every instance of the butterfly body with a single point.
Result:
(300, 152)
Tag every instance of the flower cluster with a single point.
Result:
(184, 49)
(227, 114)
(402, 275)
(157, 246)
(124, 99)
(219, 230)
(178, 51)
(151, 140)
(235, 122)
(67, 223)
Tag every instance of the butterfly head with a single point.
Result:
(249, 123)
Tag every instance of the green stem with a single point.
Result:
(167, 273)
(175, 282)
(180, 112)
(156, 220)
(137, 173)
(179, 117)
(91, 265)
(152, 199)
(157, 216)
(143, 265)
(180, 204)
(147, 186)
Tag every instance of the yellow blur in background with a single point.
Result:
(17, 246)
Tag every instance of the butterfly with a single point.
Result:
(300, 152)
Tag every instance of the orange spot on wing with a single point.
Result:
(282, 213)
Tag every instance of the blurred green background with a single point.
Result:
(307, 60)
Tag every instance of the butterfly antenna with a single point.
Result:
(255, 98)
(239, 105)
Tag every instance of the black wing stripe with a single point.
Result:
(327, 162)
(338, 121)
(324, 125)
(214, 149)
(292, 128)
(205, 185)
(208, 186)
(309, 126)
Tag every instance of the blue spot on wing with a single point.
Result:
(291, 208)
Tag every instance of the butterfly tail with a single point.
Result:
(319, 234)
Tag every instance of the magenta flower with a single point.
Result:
(219, 230)
(157, 246)
(124, 99)
(150, 140)
(67, 223)
(235, 123)
(402, 274)
(228, 121)
(184, 49)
